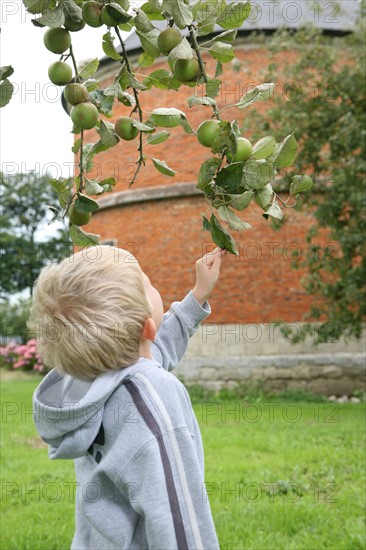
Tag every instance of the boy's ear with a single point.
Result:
(149, 331)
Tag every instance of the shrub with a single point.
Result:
(21, 356)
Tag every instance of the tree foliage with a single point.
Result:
(23, 249)
(324, 98)
(193, 24)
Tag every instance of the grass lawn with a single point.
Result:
(280, 473)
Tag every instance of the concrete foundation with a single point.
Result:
(224, 355)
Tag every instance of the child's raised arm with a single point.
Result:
(207, 274)
(183, 318)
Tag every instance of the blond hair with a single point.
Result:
(88, 312)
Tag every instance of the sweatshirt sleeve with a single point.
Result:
(170, 495)
(179, 324)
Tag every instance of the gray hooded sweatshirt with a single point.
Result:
(136, 446)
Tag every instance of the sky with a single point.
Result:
(34, 129)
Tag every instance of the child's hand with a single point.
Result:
(207, 274)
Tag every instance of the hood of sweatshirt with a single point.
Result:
(68, 412)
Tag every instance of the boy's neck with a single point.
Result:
(145, 349)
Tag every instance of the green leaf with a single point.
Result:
(285, 153)
(38, 6)
(196, 100)
(234, 15)
(162, 79)
(274, 210)
(58, 185)
(181, 12)
(149, 42)
(107, 134)
(299, 203)
(81, 238)
(6, 71)
(257, 174)
(37, 24)
(170, 118)
(226, 36)
(92, 187)
(51, 18)
(6, 92)
(232, 219)
(225, 138)
(213, 87)
(230, 177)
(91, 84)
(205, 223)
(182, 51)
(219, 235)
(64, 197)
(118, 13)
(88, 67)
(264, 196)
(76, 147)
(145, 60)
(127, 99)
(300, 184)
(264, 148)
(127, 80)
(219, 69)
(127, 27)
(162, 166)
(103, 102)
(142, 22)
(114, 90)
(242, 201)
(108, 184)
(152, 12)
(207, 171)
(206, 13)
(85, 204)
(92, 149)
(259, 93)
(143, 127)
(159, 137)
(72, 10)
(221, 52)
(109, 48)
(155, 5)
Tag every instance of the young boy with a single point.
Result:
(111, 404)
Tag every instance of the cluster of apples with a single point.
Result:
(184, 70)
(95, 14)
(83, 113)
(209, 130)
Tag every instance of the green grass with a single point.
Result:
(281, 473)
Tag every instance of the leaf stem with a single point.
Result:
(193, 35)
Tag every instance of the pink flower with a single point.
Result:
(19, 363)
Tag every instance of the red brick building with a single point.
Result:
(159, 220)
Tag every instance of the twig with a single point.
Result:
(285, 202)
(137, 107)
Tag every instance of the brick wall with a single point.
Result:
(166, 235)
